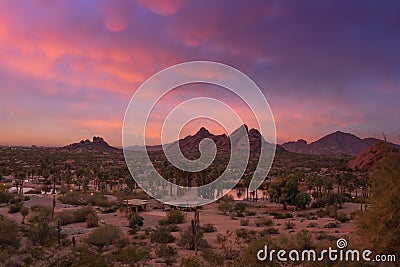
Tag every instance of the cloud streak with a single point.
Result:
(73, 65)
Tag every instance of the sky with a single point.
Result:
(68, 69)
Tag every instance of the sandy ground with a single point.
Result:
(208, 214)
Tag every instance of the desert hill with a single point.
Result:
(98, 144)
(370, 157)
(337, 143)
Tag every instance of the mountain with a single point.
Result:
(370, 157)
(189, 145)
(98, 144)
(337, 143)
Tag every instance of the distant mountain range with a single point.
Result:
(337, 143)
(190, 143)
(98, 145)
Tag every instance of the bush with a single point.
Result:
(166, 250)
(8, 232)
(97, 200)
(269, 231)
(104, 236)
(332, 225)
(209, 228)
(109, 210)
(240, 207)
(175, 217)
(250, 213)
(133, 255)
(14, 208)
(81, 214)
(312, 224)
(187, 239)
(342, 217)
(225, 204)
(92, 220)
(213, 257)
(173, 228)
(247, 235)
(42, 233)
(304, 240)
(264, 221)
(244, 222)
(161, 235)
(190, 262)
(289, 225)
(72, 198)
(135, 220)
(281, 216)
(168, 253)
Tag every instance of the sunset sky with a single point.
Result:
(68, 69)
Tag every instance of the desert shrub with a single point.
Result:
(109, 210)
(97, 199)
(92, 220)
(264, 221)
(280, 216)
(321, 235)
(104, 236)
(288, 215)
(14, 208)
(342, 217)
(4, 197)
(168, 253)
(173, 228)
(86, 257)
(225, 204)
(72, 198)
(24, 212)
(209, 228)
(289, 225)
(312, 224)
(42, 233)
(213, 257)
(163, 222)
(42, 213)
(133, 255)
(321, 213)
(244, 222)
(332, 225)
(269, 231)
(187, 239)
(81, 214)
(8, 233)
(166, 250)
(245, 234)
(250, 213)
(240, 214)
(240, 207)
(135, 220)
(190, 262)
(175, 217)
(161, 235)
(304, 240)
(65, 217)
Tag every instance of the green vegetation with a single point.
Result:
(8, 233)
(380, 222)
(104, 236)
